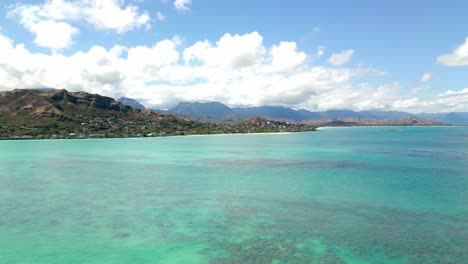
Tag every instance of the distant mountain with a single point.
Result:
(384, 114)
(131, 102)
(278, 112)
(379, 115)
(213, 109)
(454, 118)
(408, 121)
(334, 114)
(45, 89)
(203, 111)
(218, 112)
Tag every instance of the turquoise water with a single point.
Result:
(339, 195)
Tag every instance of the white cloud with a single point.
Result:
(112, 15)
(231, 51)
(458, 57)
(54, 35)
(451, 101)
(182, 5)
(427, 76)
(166, 73)
(160, 16)
(286, 57)
(149, 60)
(360, 97)
(462, 92)
(341, 58)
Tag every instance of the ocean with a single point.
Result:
(338, 195)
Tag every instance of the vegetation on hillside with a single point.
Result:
(28, 114)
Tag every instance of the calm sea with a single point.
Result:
(339, 195)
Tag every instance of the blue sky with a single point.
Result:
(318, 55)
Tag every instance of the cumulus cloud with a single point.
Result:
(341, 58)
(54, 35)
(52, 21)
(236, 70)
(427, 76)
(285, 56)
(230, 51)
(182, 5)
(458, 57)
(113, 15)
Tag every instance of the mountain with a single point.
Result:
(214, 109)
(45, 90)
(31, 106)
(59, 112)
(218, 112)
(334, 114)
(384, 114)
(200, 111)
(272, 111)
(131, 102)
(26, 114)
(408, 121)
(454, 118)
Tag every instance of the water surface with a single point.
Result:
(339, 195)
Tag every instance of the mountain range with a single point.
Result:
(51, 113)
(218, 112)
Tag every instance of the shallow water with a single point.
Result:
(339, 195)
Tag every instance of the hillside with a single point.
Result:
(62, 114)
(59, 113)
(31, 107)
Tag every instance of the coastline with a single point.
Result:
(164, 136)
(230, 134)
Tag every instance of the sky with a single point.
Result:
(315, 55)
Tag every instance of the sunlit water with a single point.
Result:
(339, 195)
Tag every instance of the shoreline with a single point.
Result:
(229, 134)
(147, 137)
